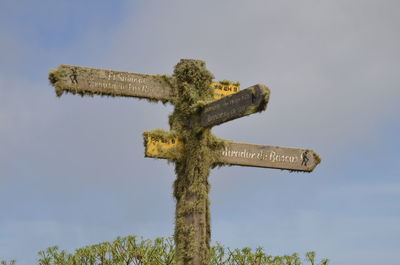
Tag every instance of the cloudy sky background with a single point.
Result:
(72, 171)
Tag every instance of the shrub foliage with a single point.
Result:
(132, 250)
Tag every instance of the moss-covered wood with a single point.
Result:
(87, 81)
(192, 223)
(243, 103)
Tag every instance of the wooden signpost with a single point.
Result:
(199, 104)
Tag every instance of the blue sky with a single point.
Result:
(72, 170)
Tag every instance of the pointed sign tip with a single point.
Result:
(316, 159)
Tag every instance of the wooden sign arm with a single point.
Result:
(87, 81)
(166, 145)
(277, 157)
(248, 101)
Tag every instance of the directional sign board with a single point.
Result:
(245, 102)
(85, 80)
(241, 154)
(294, 159)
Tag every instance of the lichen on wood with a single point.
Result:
(191, 188)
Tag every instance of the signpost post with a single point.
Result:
(199, 105)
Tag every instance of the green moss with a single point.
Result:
(55, 77)
(261, 93)
(228, 82)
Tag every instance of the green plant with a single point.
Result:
(133, 250)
